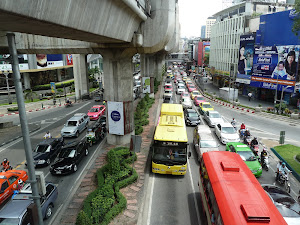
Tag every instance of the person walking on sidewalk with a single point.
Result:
(249, 96)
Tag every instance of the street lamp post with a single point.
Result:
(6, 73)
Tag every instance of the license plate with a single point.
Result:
(168, 172)
(58, 172)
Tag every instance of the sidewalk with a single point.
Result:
(133, 192)
(12, 133)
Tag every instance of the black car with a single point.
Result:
(286, 205)
(69, 158)
(46, 151)
(168, 99)
(191, 117)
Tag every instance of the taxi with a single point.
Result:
(247, 156)
(192, 88)
(96, 111)
(184, 78)
(168, 87)
(198, 100)
(195, 93)
(9, 183)
(205, 106)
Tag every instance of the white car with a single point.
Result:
(186, 103)
(168, 82)
(212, 118)
(226, 133)
(168, 93)
(180, 90)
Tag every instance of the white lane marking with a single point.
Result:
(194, 194)
(151, 179)
(18, 140)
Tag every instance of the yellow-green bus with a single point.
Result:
(169, 148)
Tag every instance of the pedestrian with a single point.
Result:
(249, 96)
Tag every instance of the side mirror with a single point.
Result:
(189, 154)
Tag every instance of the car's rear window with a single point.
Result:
(43, 148)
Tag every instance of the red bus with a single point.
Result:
(230, 193)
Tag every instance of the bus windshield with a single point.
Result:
(169, 156)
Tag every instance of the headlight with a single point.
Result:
(68, 167)
(42, 161)
(74, 131)
(95, 115)
(183, 168)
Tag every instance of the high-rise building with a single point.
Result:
(203, 29)
(209, 22)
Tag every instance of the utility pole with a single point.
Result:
(24, 124)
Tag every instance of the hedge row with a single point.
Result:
(156, 84)
(141, 114)
(103, 204)
(48, 87)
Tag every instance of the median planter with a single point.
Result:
(214, 96)
(295, 116)
(236, 103)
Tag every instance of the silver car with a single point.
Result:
(186, 103)
(75, 125)
(212, 118)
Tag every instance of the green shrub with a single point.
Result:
(57, 86)
(13, 109)
(114, 163)
(83, 219)
(138, 130)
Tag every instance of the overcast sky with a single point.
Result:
(193, 14)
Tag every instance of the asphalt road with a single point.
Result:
(176, 199)
(52, 120)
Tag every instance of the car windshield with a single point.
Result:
(196, 93)
(193, 115)
(228, 130)
(185, 94)
(94, 110)
(214, 115)
(42, 148)
(67, 153)
(206, 106)
(191, 86)
(71, 123)
(9, 221)
(200, 98)
(208, 144)
(168, 92)
(186, 100)
(247, 155)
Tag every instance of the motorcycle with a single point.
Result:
(255, 149)
(68, 104)
(282, 179)
(265, 163)
(242, 133)
(247, 140)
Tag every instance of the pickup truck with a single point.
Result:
(15, 211)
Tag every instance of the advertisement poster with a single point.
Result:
(115, 118)
(48, 61)
(5, 62)
(52, 85)
(69, 59)
(275, 67)
(245, 61)
(146, 84)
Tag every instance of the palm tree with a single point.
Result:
(29, 94)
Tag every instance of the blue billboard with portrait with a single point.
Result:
(275, 67)
(245, 61)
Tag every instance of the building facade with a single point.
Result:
(209, 23)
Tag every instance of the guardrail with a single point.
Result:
(296, 175)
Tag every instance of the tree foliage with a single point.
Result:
(296, 25)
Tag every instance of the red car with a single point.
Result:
(191, 88)
(9, 183)
(96, 111)
(198, 100)
(168, 87)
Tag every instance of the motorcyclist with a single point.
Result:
(246, 135)
(243, 126)
(263, 154)
(47, 135)
(5, 164)
(277, 171)
(283, 170)
(254, 142)
(68, 101)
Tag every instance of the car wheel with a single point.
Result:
(48, 211)
(48, 161)
(86, 152)
(77, 134)
(75, 168)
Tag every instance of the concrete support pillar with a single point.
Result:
(80, 75)
(148, 69)
(159, 62)
(58, 75)
(26, 78)
(117, 66)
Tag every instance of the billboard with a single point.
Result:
(146, 84)
(69, 59)
(5, 62)
(115, 117)
(48, 61)
(245, 62)
(275, 67)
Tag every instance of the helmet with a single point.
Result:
(255, 138)
(5, 160)
(283, 164)
(280, 161)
